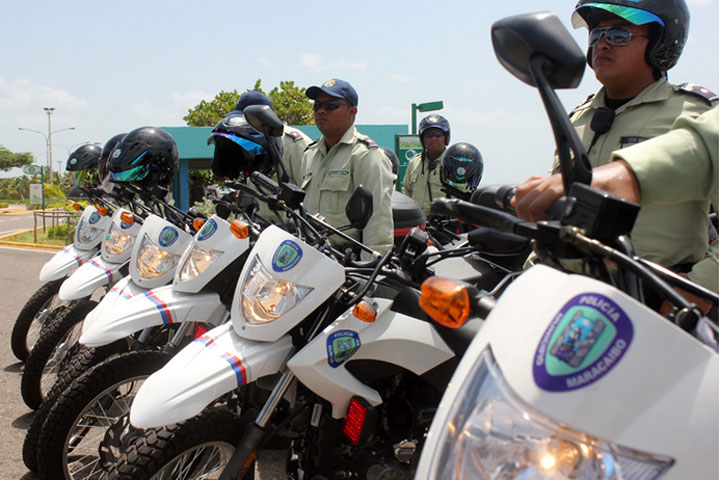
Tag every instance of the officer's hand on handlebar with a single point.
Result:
(534, 198)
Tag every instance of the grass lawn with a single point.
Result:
(42, 238)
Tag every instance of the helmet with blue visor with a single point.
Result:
(145, 157)
(669, 22)
(239, 148)
(462, 167)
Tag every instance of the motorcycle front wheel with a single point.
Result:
(198, 448)
(31, 318)
(85, 429)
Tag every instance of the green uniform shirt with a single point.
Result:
(664, 234)
(415, 182)
(329, 177)
(678, 178)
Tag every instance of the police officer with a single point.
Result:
(632, 44)
(422, 177)
(294, 141)
(341, 160)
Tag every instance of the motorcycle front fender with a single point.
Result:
(393, 338)
(114, 300)
(95, 273)
(152, 308)
(211, 366)
(65, 261)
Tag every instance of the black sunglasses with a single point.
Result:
(614, 35)
(433, 134)
(328, 105)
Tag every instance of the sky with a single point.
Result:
(111, 66)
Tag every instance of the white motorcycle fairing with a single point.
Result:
(160, 235)
(93, 274)
(290, 259)
(92, 219)
(212, 365)
(393, 338)
(152, 308)
(64, 262)
(114, 300)
(215, 236)
(648, 386)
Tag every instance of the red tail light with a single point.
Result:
(199, 331)
(355, 419)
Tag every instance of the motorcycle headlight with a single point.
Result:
(88, 233)
(153, 261)
(492, 434)
(197, 261)
(117, 241)
(266, 297)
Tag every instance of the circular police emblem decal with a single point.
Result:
(341, 345)
(168, 235)
(73, 161)
(587, 338)
(287, 255)
(94, 218)
(207, 230)
(116, 153)
(329, 83)
(124, 225)
(461, 171)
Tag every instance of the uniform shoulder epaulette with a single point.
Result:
(294, 134)
(699, 91)
(312, 144)
(587, 100)
(369, 142)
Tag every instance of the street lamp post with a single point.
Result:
(423, 107)
(48, 138)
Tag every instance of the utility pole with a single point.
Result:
(49, 111)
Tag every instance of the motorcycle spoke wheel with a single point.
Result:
(197, 448)
(32, 317)
(75, 442)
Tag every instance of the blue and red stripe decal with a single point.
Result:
(234, 361)
(121, 293)
(77, 259)
(161, 306)
(107, 271)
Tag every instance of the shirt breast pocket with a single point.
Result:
(334, 192)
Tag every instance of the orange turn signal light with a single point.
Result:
(198, 223)
(77, 206)
(445, 301)
(240, 229)
(365, 312)
(102, 211)
(127, 218)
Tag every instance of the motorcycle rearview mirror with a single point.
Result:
(359, 207)
(265, 120)
(537, 49)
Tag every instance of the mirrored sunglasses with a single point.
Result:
(328, 105)
(435, 133)
(613, 35)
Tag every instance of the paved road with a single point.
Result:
(18, 280)
(15, 222)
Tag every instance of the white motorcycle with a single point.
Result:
(577, 379)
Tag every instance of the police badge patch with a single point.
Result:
(287, 255)
(342, 345)
(167, 236)
(585, 340)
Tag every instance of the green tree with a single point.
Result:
(291, 105)
(10, 160)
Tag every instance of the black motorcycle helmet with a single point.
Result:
(239, 148)
(103, 170)
(83, 164)
(669, 22)
(395, 163)
(435, 121)
(462, 167)
(146, 157)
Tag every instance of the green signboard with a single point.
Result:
(31, 169)
(406, 147)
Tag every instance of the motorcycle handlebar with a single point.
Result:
(495, 196)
